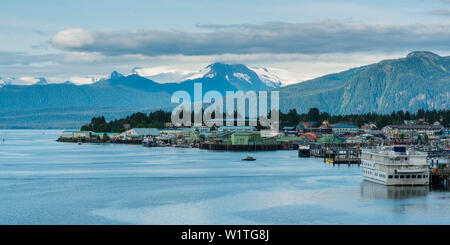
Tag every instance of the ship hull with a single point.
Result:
(394, 176)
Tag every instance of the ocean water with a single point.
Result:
(46, 182)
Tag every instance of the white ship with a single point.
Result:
(395, 165)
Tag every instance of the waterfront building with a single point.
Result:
(67, 135)
(406, 131)
(289, 131)
(245, 138)
(270, 133)
(76, 134)
(101, 135)
(177, 133)
(139, 133)
(251, 138)
(236, 129)
(319, 130)
(345, 128)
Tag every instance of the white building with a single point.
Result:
(345, 128)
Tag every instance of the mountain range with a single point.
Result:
(419, 81)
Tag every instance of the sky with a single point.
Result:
(82, 41)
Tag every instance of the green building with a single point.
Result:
(251, 138)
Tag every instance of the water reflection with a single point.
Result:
(372, 190)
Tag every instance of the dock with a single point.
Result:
(336, 153)
(439, 178)
(439, 168)
(345, 155)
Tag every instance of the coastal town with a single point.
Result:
(336, 143)
(248, 138)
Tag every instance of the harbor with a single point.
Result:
(131, 184)
(338, 144)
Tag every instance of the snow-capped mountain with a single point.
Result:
(239, 76)
(42, 81)
(268, 77)
(5, 81)
(22, 81)
(228, 72)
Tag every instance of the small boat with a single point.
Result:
(248, 158)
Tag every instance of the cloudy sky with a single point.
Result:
(298, 40)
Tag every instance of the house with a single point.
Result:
(319, 130)
(344, 128)
(289, 131)
(369, 126)
(325, 124)
(302, 126)
(310, 136)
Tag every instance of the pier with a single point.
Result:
(439, 178)
(439, 168)
(337, 153)
(343, 155)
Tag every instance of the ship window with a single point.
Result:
(402, 176)
(407, 176)
(413, 176)
(395, 176)
(419, 176)
(390, 176)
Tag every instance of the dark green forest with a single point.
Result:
(157, 119)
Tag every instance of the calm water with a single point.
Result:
(46, 182)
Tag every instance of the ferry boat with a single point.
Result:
(395, 165)
(249, 158)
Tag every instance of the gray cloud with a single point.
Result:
(18, 58)
(273, 37)
(440, 12)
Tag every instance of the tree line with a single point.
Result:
(157, 119)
